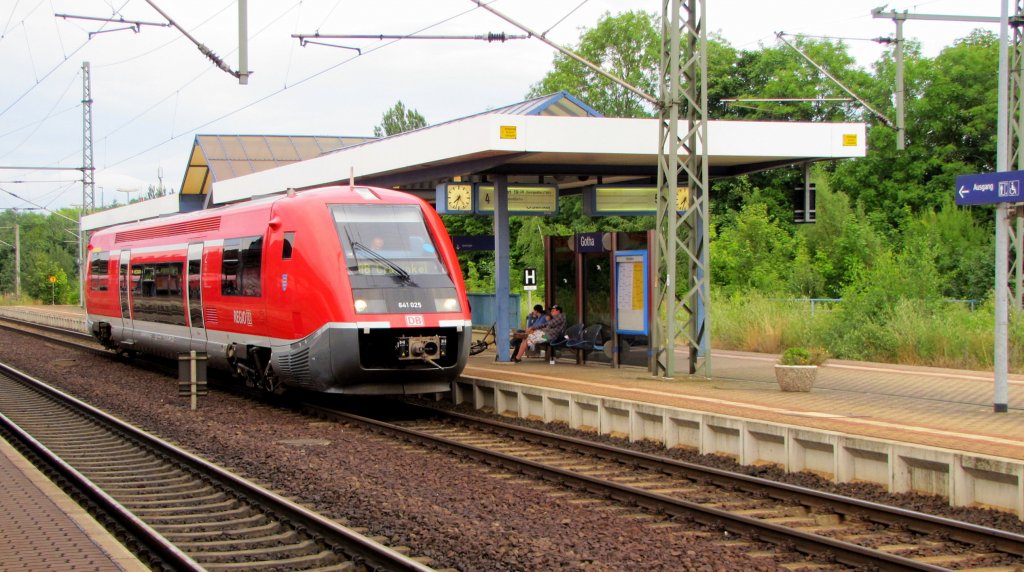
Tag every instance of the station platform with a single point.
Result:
(936, 407)
(907, 429)
(951, 409)
(41, 528)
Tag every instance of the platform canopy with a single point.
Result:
(551, 139)
(573, 149)
(221, 157)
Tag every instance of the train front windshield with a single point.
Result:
(392, 261)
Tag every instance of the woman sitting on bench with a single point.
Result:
(551, 329)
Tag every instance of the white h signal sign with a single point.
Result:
(529, 279)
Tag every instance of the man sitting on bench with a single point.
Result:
(551, 329)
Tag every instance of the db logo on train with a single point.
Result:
(414, 320)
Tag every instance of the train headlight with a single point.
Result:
(450, 304)
(360, 306)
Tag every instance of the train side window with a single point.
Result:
(157, 293)
(99, 271)
(286, 248)
(242, 266)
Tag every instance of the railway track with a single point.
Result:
(778, 521)
(792, 521)
(180, 512)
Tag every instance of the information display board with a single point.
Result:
(522, 200)
(629, 200)
(631, 301)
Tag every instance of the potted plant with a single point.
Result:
(798, 367)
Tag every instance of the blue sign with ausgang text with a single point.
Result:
(989, 188)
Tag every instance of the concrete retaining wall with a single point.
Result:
(964, 479)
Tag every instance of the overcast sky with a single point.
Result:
(153, 91)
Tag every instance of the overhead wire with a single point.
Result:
(22, 21)
(31, 60)
(10, 17)
(47, 74)
(176, 38)
(578, 6)
(60, 39)
(40, 122)
(295, 29)
(310, 77)
(177, 91)
(329, 13)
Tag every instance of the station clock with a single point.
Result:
(455, 198)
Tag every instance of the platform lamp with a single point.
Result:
(129, 193)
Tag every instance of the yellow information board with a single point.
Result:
(522, 199)
(628, 200)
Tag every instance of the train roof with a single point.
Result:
(360, 193)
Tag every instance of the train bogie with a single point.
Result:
(340, 289)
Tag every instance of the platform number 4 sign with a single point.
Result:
(529, 279)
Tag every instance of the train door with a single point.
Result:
(194, 280)
(123, 289)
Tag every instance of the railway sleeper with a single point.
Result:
(273, 539)
(198, 515)
(188, 534)
(208, 501)
(302, 548)
(320, 559)
(183, 490)
(213, 527)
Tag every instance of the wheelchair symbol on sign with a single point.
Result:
(1009, 188)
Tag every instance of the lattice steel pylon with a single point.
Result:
(88, 170)
(1015, 160)
(682, 161)
(88, 173)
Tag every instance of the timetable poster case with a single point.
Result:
(631, 301)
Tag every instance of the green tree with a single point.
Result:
(841, 243)
(48, 282)
(397, 120)
(754, 251)
(628, 47)
(951, 129)
(962, 246)
(781, 73)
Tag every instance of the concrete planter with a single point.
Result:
(796, 377)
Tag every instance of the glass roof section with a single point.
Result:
(221, 157)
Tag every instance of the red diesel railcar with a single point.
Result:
(339, 289)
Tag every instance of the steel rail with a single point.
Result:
(844, 552)
(368, 552)
(1008, 542)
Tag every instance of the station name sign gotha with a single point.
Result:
(989, 188)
